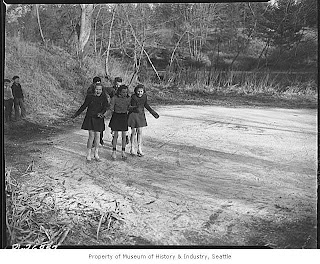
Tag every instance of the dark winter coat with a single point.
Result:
(137, 117)
(96, 105)
(17, 90)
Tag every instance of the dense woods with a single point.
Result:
(163, 41)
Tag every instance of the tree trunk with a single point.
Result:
(189, 44)
(86, 13)
(174, 50)
(95, 30)
(38, 18)
(139, 64)
(217, 62)
(109, 42)
(234, 59)
(264, 48)
(101, 40)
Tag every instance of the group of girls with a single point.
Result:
(126, 112)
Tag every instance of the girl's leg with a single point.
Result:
(89, 144)
(112, 135)
(101, 138)
(139, 139)
(114, 145)
(124, 143)
(96, 145)
(133, 135)
(127, 137)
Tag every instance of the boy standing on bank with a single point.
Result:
(18, 98)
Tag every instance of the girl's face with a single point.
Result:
(124, 93)
(98, 90)
(139, 92)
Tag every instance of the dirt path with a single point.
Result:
(211, 176)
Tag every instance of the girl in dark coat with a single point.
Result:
(137, 118)
(97, 105)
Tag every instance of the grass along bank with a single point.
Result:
(233, 96)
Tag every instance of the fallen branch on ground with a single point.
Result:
(41, 215)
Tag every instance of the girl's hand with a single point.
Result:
(133, 109)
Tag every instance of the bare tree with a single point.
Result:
(95, 29)
(38, 18)
(86, 14)
(141, 45)
(177, 44)
(109, 41)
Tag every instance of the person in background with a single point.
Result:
(18, 98)
(97, 105)
(8, 100)
(116, 84)
(120, 105)
(137, 118)
(91, 88)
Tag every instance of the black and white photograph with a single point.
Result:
(160, 124)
